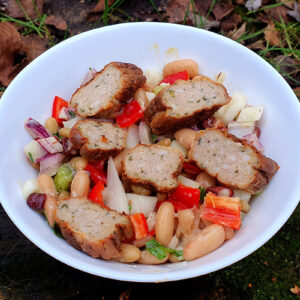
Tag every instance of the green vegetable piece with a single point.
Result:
(159, 251)
(63, 178)
(31, 157)
(72, 114)
(153, 137)
(202, 193)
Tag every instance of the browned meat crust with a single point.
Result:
(131, 78)
(263, 173)
(82, 140)
(163, 123)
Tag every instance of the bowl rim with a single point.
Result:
(182, 273)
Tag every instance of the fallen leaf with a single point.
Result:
(32, 8)
(240, 2)
(288, 3)
(238, 33)
(272, 35)
(258, 45)
(203, 22)
(296, 12)
(278, 13)
(231, 22)
(295, 290)
(34, 46)
(253, 5)
(10, 46)
(221, 10)
(176, 9)
(100, 6)
(57, 22)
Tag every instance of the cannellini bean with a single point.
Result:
(148, 259)
(166, 142)
(129, 253)
(185, 137)
(140, 190)
(64, 132)
(140, 96)
(49, 208)
(180, 65)
(204, 242)
(142, 242)
(205, 180)
(80, 185)
(118, 160)
(47, 185)
(165, 223)
(245, 206)
(51, 125)
(186, 219)
(229, 233)
(206, 222)
(78, 163)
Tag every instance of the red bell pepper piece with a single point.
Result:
(131, 113)
(96, 174)
(186, 195)
(177, 205)
(222, 210)
(140, 225)
(191, 168)
(96, 193)
(58, 104)
(184, 75)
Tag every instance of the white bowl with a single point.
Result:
(60, 70)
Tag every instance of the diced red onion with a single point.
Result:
(195, 127)
(36, 129)
(257, 131)
(34, 151)
(220, 191)
(240, 129)
(253, 140)
(145, 133)
(51, 145)
(68, 147)
(89, 76)
(51, 163)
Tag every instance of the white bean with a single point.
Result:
(180, 65)
(165, 223)
(129, 253)
(148, 259)
(205, 180)
(204, 242)
(186, 219)
(49, 208)
(185, 137)
(80, 185)
(229, 233)
(47, 185)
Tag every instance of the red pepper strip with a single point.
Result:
(140, 225)
(222, 210)
(186, 195)
(96, 174)
(191, 168)
(177, 205)
(96, 194)
(58, 104)
(131, 113)
(99, 164)
(184, 75)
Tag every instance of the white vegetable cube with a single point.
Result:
(34, 151)
(250, 114)
(240, 129)
(228, 112)
(141, 204)
(29, 187)
(153, 76)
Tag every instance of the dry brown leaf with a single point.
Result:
(295, 290)
(231, 22)
(238, 33)
(57, 22)
(288, 3)
(10, 45)
(100, 6)
(272, 35)
(257, 45)
(295, 13)
(34, 46)
(32, 8)
(176, 9)
(277, 13)
(221, 10)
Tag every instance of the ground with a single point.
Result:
(270, 28)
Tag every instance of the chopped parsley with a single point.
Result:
(153, 137)
(202, 193)
(31, 157)
(72, 114)
(57, 135)
(129, 206)
(160, 251)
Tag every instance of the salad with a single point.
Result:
(147, 168)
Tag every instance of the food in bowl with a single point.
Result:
(140, 170)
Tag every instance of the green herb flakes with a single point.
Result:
(160, 251)
(31, 157)
(202, 193)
